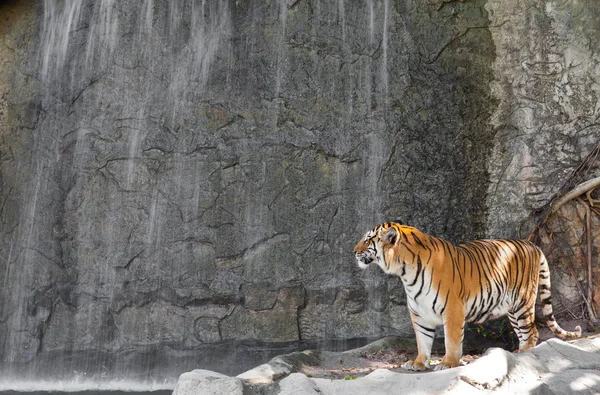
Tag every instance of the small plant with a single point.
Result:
(491, 330)
(482, 330)
(350, 377)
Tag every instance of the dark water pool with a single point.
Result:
(152, 372)
(90, 392)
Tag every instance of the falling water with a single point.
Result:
(342, 17)
(82, 42)
(102, 36)
(58, 24)
(136, 129)
(23, 273)
(209, 36)
(384, 49)
(376, 152)
(283, 12)
(175, 17)
(153, 235)
(371, 22)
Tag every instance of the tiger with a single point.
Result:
(450, 285)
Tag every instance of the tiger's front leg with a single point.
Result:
(424, 333)
(454, 328)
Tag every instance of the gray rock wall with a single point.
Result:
(180, 174)
(546, 78)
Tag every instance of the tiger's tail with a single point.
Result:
(546, 301)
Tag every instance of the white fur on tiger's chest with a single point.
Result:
(422, 308)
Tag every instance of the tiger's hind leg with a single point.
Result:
(515, 325)
(526, 330)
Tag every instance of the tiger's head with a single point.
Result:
(371, 247)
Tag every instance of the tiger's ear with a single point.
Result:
(389, 236)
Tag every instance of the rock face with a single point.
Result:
(186, 174)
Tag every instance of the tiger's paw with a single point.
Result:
(417, 366)
(443, 365)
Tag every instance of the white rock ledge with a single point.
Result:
(553, 367)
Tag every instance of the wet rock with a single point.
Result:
(276, 324)
(280, 367)
(259, 296)
(206, 382)
(207, 329)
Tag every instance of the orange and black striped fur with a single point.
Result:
(450, 285)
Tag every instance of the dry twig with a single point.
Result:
(588, 233)
(587, 302)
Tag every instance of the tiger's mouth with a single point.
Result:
(363, 260)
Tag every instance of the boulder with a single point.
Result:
(553, 367)
(206, 382)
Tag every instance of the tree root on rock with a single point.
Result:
(571, 190)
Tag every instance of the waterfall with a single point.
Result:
(283, 12)
(86, 51)
(60, 18)
(174, 158)
(384, 48)
(102, 36)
